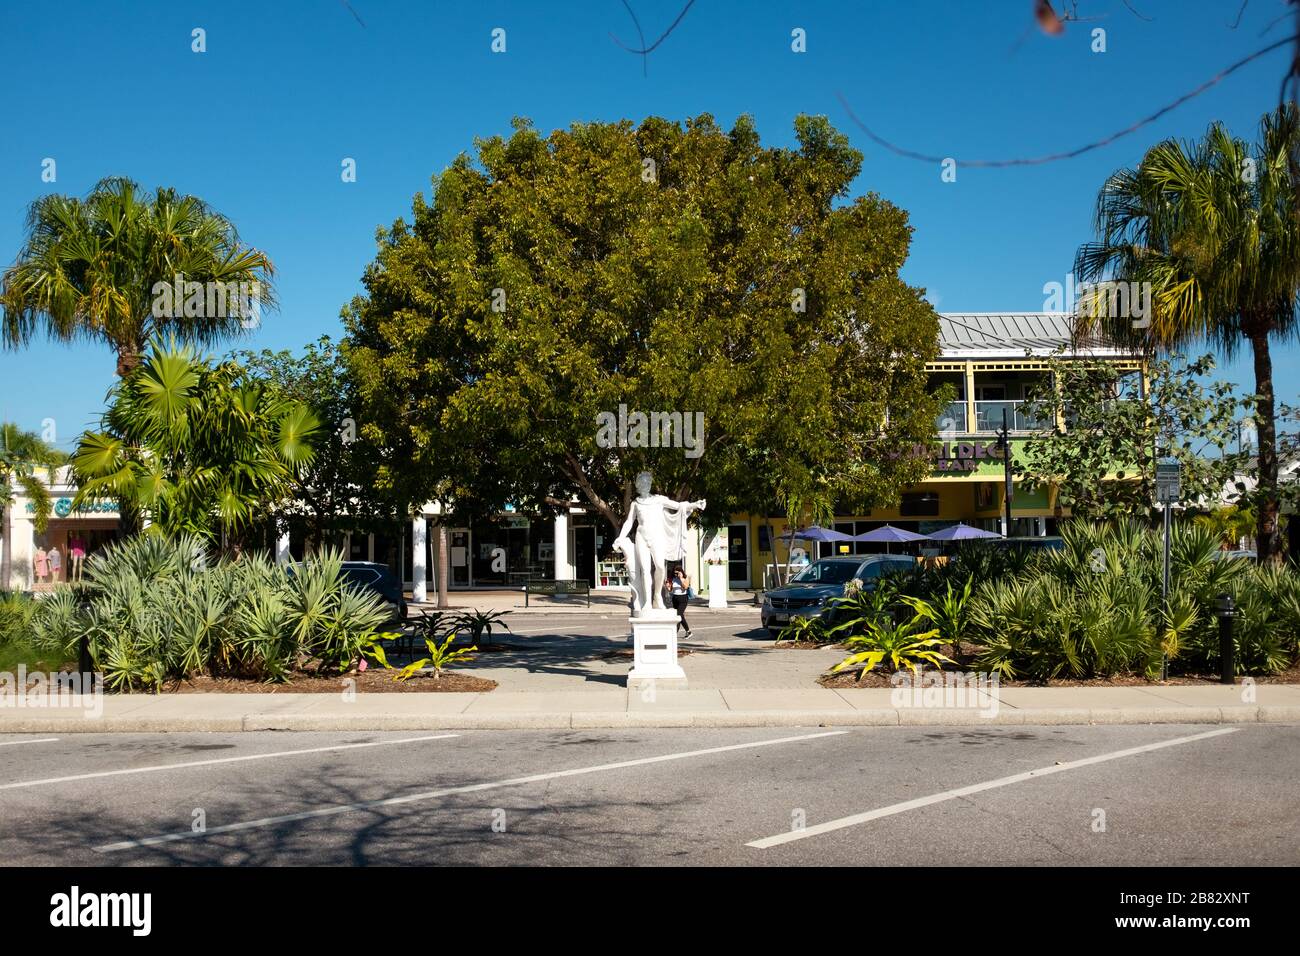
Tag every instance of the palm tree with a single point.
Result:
(1214, 227)
(194, 447)
(21, 454)
(1230, 524)
(92, 268)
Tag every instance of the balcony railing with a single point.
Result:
(988, 418)
(952, 419)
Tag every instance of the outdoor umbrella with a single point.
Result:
(890, 535)
(961, 532)
(814, 533)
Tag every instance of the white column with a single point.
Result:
(22, 574)
(282, 553)
(563, 569)
(419, 573)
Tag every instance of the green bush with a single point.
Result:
(158, 609)
(15, 613)
(1094, 607)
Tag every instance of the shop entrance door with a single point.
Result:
(460, 542)
(738, 575)
(584, 554)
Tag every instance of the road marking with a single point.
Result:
(448, 791)
(870, 815)
(38, 740)
(208, 763)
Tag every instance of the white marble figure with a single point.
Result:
(660, 537)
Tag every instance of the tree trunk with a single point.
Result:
(6, 549)
(1266, 539)
(129, 356)
(444, 564)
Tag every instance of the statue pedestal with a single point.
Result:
(654, 640)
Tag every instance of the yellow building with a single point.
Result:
(989, 359)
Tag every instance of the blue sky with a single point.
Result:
(259, 124)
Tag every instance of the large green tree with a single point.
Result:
(672, 267)
(332, 492)
(89, 269)
(22, 455)
(1106, 437)
(1214, 227)
(197, 447)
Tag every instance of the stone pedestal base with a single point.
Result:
(654, 643)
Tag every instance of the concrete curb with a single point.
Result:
(578, 720)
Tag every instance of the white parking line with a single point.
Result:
(870, 815)
(38, 740)
(207, 763)
(449, 791)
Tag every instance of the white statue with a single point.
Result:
(660, 537)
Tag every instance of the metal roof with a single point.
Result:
(1006, 333)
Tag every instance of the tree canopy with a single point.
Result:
(666, 267)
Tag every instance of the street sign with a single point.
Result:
(1168, 482)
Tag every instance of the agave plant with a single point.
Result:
(480, 623)
(901, 645)
(802, 628)
(949, 612)
(441, 656)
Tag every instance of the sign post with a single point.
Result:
(1168, 491)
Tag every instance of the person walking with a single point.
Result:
(679, 590)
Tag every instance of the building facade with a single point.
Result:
(989, 360)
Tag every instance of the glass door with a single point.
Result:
(460, 552)
(738, 575)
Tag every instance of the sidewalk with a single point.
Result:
(554, 673)
(614, 707)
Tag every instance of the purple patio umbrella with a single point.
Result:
(961, 532)
(814, 533)
(888, 535)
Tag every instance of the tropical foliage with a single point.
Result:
(908, 644)
(157, 609)
(1214, 227)
(1094, 608)
(1109, 430)
(88, 270)
(441, 655)
(23, 455)
(194, 447)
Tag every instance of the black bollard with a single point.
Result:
(1225, 610)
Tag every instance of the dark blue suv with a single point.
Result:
(810, 591)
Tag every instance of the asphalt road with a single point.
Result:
(1139, 795)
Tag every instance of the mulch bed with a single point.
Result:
(799, 646)
(370, 681)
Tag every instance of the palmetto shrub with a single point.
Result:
(156, 609)
(1094, 607)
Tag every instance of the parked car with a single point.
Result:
(810, 592)
(379, 578)
(1242, 555)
